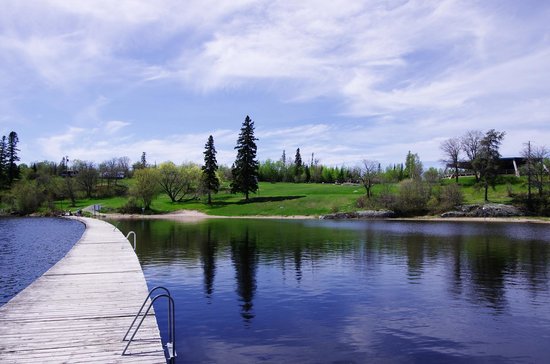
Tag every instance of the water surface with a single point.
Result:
(29, 246)
(249, 291)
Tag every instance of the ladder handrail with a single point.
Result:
(134, 234)
(171, 322)
(143, 305)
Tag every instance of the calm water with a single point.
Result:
(352, 292)
(29, 247)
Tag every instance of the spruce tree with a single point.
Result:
(211, 182)
(13, 170)
(143, 160)
(3, 161)
(487, 161)
(298, 165)
(245, 168)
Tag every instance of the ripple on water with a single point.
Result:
(29, 247)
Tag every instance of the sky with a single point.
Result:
(344, 80)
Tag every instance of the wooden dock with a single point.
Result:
(79, 310)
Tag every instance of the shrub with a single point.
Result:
(26, 197)
(446, 198)
(413, 197)
(130, 207)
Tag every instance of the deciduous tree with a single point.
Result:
(535, 169)
(146, 185)
(471, 145)
(413, 166)
(87, 176)
(451, 148)
(370, 175)
(179, 182)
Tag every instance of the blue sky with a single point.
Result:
(346, 80)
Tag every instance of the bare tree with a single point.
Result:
(471, 145)
(370, 175)
(123, 166)
(534, 168)
(452, 148)
(87, 176)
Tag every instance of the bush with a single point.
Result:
(539, 205)
(130, 207)
(26, 197)
(413, 198)
(372, 203)
(446, 198)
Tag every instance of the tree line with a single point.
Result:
(27, 188)
(43, 183)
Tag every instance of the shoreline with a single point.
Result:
(195, 216)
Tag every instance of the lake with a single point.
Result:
(29, 246)
(310, 291)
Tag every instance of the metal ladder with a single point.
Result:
(171, 344)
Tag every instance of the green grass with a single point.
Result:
(288, 199)
(280, 199)
(500, 194)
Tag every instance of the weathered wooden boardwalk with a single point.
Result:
(80, 309)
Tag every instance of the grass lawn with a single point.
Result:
(281, 199)
(500, 194)
(288, 199)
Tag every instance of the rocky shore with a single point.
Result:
(486, 210)
(478, 210)
(367, 214)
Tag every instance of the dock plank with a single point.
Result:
(79, 310)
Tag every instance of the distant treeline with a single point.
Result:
(29, 187)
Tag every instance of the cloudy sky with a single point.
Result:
(346, 80)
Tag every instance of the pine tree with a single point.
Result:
(245, 169)
(298, 165)
(143, 160)
(3, 161)
(13, 170)
(487, 161)
(211, 182)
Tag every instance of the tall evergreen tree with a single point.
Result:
(143, 160)
(13, 170)
(245, 169)
(487, 161)
(298, 164)
(3, 161)
(210, 180)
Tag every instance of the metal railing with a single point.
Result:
(171, 344)
(134, 234)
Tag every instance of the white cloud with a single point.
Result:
(113, 126)
(403, 74)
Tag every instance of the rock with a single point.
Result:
(453, 214)
(375, 214)
(486, 210)
(368, 214)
